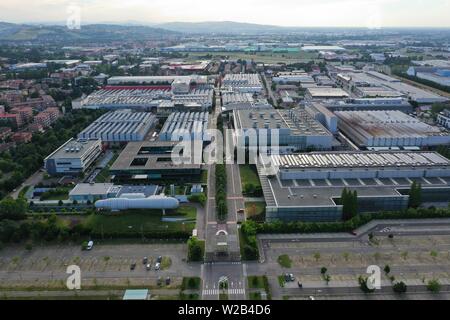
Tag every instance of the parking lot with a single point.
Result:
(104, 266)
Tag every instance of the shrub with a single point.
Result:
(400, 287)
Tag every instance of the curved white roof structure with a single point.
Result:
(153, 202)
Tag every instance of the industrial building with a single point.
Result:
(132, 98)
(443, 119)
(84, 192)
(359, 104)
(120, 126)
(324, 116)
(180, 125)
(294, 130)
(293, 77)
(323, 93)
(376, 84)
(389, 129)
(152, 160)
(147, 99)
(308, 187)
(241, 101)
(73, 157)
(159, 80)
(244, 83)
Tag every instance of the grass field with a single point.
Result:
(285, 261)
(255, 210)
(142, 220)
(261, 57)
(249, 175)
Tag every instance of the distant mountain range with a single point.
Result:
(97, 32)
(221, 27)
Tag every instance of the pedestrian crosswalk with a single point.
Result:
(215, 292)
(211, 292)
(236, 291)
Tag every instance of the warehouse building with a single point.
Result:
(177, 81)
(244, 83)
(364, 83)
(323, 93)
(324, 116)
(152, 160)
(389, 129)
(120, 126)
(73, 157)
(293, 129)
(180, 125)
(242, 101)
(308, 187)
(84, 192)
(359, 104)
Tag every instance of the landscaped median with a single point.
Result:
(250, 229)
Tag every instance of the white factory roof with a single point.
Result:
(119, 125)
(359, 160)
(321, 92)
(386, 124)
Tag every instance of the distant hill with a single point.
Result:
(92, 32)
(221, 27)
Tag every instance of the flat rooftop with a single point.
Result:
(321, 92)
(73, 149)
(298, 121)
(321, 160)
(151, 156)
(392, 124)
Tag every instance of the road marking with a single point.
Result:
(236, 291)
(211, 292)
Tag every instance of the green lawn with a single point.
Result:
(249, 175)
(57, 194)
(285, 261)
(257, 282)
(141, 220)
(255, 296)
(255, 210)
(193, 283)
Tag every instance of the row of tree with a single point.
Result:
(221, 192)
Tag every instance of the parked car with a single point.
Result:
(158, 266)
(148, 267)
(167, 281)
(300, 285)
(159, 260)
(133, 266)
(90, 245)
(145, 260)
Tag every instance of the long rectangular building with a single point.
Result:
(183, 124)
(150, 160)
(120, 126)
(295, 129)
(244, 83)
(308, 187)
(389, 129)
(73, 157)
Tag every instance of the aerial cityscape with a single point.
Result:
(150, 151)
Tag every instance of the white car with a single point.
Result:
(157, 266)
(90, 245)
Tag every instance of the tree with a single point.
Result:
(363, 285)
(415, 195)
(349, 201)
(323, 271)
(400, 287)
(434, 286)
(387, 269)
(13, 209)
(195, 251)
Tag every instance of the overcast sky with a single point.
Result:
(358, 13)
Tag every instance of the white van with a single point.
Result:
(90, 245)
